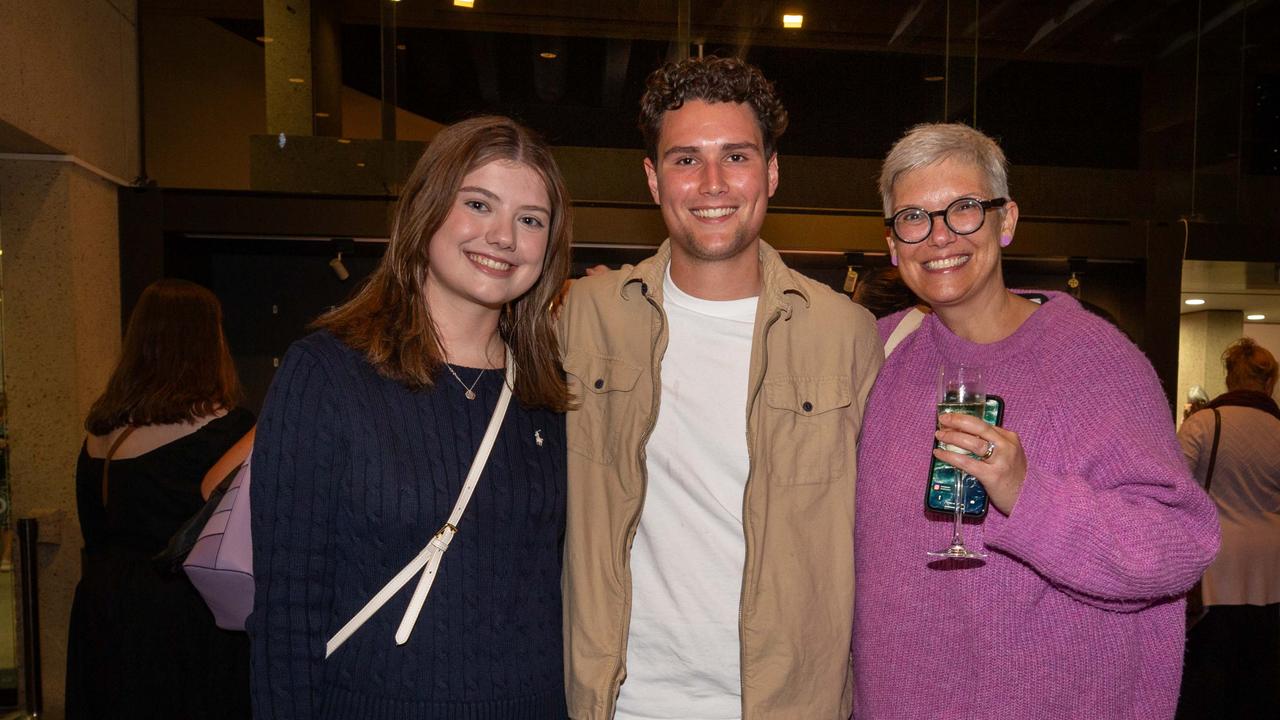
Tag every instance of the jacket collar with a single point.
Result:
(778, 284)
(1247, 398)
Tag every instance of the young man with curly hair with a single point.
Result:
(709, 558)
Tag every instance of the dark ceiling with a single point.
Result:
(1108, 32)
(1098, 83)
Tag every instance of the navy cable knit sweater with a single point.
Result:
(352, 475)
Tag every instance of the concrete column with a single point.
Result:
(390, 101)
(61, 338)
(326, 66)
(69, 86)
(1201, 339)
(288, 66)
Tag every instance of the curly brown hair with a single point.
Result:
(711, 79)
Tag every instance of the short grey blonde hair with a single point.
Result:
(931, 143)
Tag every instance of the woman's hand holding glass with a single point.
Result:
(1001, 471)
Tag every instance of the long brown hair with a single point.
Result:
(175, 365)
(388, 319)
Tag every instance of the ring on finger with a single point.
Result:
(991, 450)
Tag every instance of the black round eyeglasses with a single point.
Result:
(964, 216)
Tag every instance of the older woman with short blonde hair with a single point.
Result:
(1096, 528)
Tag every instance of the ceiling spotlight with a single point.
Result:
(338, 268)
(934, 78)
(464, 3)
(339, 246)
(344, 141)
(322, 114)
(792, 22)
(1255, 316)
(548, 55)
(297, 80)
(1195, 301)
(264, 39)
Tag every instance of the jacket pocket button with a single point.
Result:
(599, 383)
(808, 406)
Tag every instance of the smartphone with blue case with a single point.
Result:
(940, 492)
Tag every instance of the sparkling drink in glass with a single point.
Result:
(960, 390)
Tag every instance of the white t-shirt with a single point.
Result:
(687, 559)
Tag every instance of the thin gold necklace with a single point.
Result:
(470, 390)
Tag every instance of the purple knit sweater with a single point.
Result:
(1078, 611)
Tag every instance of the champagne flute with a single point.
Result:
(960, 390)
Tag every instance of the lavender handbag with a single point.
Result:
(220, 564)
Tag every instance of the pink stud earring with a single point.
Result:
(1006, 240)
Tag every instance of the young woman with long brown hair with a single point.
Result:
(142, 644)
(371, 425)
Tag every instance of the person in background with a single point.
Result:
(369, 430)
(882, 291)
(708, 571)
(1096, 528)
(1197, 400)
(142, 643)
(1233, 653)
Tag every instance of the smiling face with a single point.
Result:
(491, 246)
(947, 270)
(712, 180)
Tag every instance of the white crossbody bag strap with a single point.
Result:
(905, 327)
(431, 555)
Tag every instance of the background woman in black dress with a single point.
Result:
(142, 642)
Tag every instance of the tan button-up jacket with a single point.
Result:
(814, 357)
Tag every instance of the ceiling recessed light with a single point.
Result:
(265, 39)
(464, 3)
(547, 55)
(401, 46)
(322, 114)
(792, 22)
(934, 78)
(1255, 316)
(344, 141)
(297, 81)
(1195, 301)
(359, 164)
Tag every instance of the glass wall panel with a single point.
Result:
(1177, 102)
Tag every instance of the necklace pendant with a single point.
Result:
(468, 390)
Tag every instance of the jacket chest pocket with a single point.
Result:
(808, 428)
(602, 387)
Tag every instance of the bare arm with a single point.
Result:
(233, 458)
